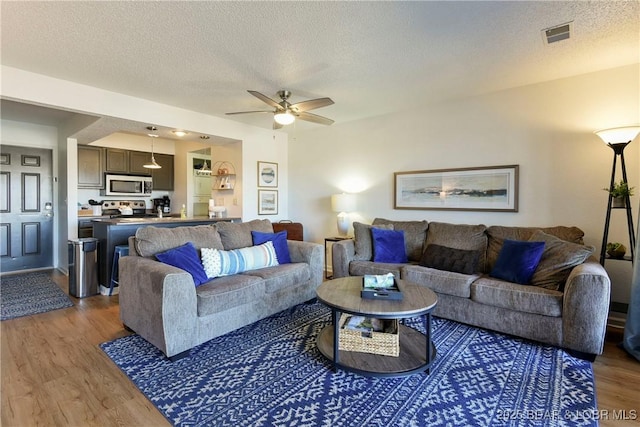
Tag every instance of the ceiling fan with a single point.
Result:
(285, 113)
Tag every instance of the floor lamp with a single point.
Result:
(618, 139)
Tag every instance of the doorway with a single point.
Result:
(26, 208)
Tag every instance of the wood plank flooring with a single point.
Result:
(54, 374)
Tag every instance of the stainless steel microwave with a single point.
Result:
(127, 185)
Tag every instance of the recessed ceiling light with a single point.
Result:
(180, 132)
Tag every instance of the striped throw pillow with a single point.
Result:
(219, 263)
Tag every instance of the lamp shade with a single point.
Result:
(343, 202)
(618, 135)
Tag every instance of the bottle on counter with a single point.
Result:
(183, 212)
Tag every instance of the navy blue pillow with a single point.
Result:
(517, 261)
(279, 243)
(185, 257)
(388, 245)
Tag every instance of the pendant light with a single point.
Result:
(153, 164)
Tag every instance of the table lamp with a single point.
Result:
(343, 204)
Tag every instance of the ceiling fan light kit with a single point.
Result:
(286, 113)
(284, 118)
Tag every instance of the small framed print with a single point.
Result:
(267, 174)
(267, 202)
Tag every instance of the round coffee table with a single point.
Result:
(417, 350)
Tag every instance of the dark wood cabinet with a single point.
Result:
(90, 167)
(117, 160)
(163, 178)
(132, 162)
(137, 160)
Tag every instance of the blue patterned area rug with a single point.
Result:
(30, 293)
(271, 374)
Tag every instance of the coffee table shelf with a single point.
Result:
(412, 357)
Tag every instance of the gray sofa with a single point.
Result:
(567, 307)
(161, 303)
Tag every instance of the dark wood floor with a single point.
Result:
(54, 374)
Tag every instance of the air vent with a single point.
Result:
(557, 33)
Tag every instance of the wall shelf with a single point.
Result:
(224, 174)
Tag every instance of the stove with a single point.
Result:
(125, 209)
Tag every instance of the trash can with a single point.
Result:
(83, 267)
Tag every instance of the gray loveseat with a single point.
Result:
(565, 306)
(161, 303)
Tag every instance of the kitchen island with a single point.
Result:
(112, 232)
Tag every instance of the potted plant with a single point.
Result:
(616, 250)
(620, 192)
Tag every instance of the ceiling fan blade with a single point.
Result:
(312, 104)
(314, 118)
(248, 112)
(265, 99)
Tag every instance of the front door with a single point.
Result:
(26, 208)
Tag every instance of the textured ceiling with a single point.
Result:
(371, 58)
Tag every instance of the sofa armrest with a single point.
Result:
(342, 253)
(585, 308)
(310, 253)
(158, 301)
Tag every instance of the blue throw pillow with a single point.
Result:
(279, 242)
(517, 261)
(388, 246)
(185, 257)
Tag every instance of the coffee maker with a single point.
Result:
(164, 204)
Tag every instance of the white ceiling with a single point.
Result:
(371, 58)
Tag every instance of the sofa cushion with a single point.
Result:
(225, 263)
(517, 261)
(497, 235)
(450, 259)
(151, 240)
(238, 235)
(388, 246)
(529, 299)
(223, 293)
(279, 243)
(360, 268)
(444, 282)
(283, 276)
(415, 234)
(362, 240)
(185, 257)
(558, 258)
(459, 236)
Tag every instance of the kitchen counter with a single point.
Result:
(155, 220)
(112, 232)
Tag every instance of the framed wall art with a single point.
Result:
(267, 174)
(491, 188)
(267, 202)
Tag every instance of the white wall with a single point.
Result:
(546, 128)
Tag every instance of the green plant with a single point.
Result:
(614, 246)
(620, 189)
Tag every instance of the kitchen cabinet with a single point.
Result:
(117, 160)
(137, 160)
(90, 167)
(163, 178)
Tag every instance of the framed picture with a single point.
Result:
(267, 202)
(491, 188)
(267, 174)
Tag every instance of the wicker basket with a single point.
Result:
(386, 344)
